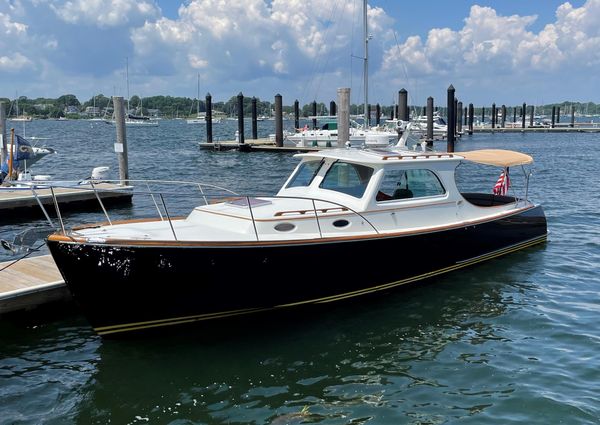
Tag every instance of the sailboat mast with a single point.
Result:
(366, 64)
(198, 101)
(127, 80)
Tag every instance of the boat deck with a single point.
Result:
(29, 283)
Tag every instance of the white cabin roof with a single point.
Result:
(380, 156)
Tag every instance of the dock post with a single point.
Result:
(429, 112)
(377, 114)
(403, 105)
(3, 150)
(208, 116)
(240, 111)
(531, 112)
(459, 118)
(314, 113)
(278, 121)
(514, 116)
(121, 144)
(343, 117)
(523, 113)
(494, 115)
(392, 112)
(503, 116)
(482, 115)
(451, 123)
(454, 116)
(466, 116)
(296, 114)
(254, 119)
(572, 117)
(471, 116)
(332, 108)
(557, 114)
(553, 115)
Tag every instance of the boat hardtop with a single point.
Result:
(338, 192)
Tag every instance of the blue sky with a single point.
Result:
(534, 51)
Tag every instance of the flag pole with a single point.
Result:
(12, 149)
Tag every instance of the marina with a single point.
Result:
(464, 314)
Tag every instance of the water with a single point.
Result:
(514, 340)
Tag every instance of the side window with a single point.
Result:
(404, 184)
(348, 178)
(305, 174)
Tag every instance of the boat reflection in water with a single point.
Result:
(346, 223)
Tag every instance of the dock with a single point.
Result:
(30, 283)
(255, 145)
(22, 199)
(565, 129)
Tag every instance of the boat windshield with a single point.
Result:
(305, 174)
(348, 178)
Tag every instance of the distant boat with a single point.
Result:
(17, 117)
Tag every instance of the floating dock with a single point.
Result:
(30, 283)
(19, 200)
(255, 145)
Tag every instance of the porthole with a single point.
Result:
(341, 223)
(284, 227)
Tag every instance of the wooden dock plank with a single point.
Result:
(29, 283)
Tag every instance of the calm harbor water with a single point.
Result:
(514, 340)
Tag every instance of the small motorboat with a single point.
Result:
(346, 223)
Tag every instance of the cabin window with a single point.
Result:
(305, 174)
(348, 178)
(406, 184)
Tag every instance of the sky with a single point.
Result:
(504, 51)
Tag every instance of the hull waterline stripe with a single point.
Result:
(106, 330)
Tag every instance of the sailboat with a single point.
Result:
(200, 118)
(17, 117)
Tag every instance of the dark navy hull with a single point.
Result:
(125, 288)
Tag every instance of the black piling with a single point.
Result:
(531, 112)
(494, 115)
(553, 115)
(240, 112)
(403, 105)
(314, 114)
(429, 137)
(209, 135)
(572, 117)
(392, 113)
(524, 108)
(296, 114)
(459, 118)
(471, 116)
(466, 116)
(377, 114)
(482, 115)
(451, 116)
(278, 120)
(514, 116)
(254, 120)
(332, 108)
(503, 116)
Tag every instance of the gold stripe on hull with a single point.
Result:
(107, 330)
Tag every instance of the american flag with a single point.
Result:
(503, 183)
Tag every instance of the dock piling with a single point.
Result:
(503, 116)
(377, 114)
(278, 121)
(3, 150)
(523, 113)
(429, 112)
(451, 116)
(482, 115)
(314, 113)
(531, 112)
(240, 111)
(459, 118)
(343, 117)
(121, 143)
(403, 105)
(471, 113)
(494, 115)
(254, 119)
(332, 108)
(296, 114)
(553, 115)
(209, 135)
(572, 117)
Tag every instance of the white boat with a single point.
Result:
(401, 212)
(440, 127)
(327, 135)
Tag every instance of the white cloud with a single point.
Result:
(14, 63)
(103, 13)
